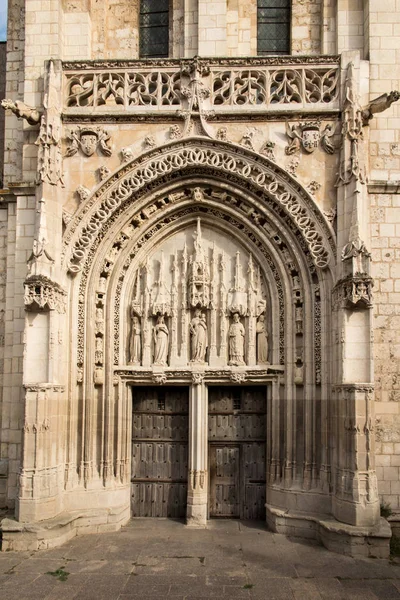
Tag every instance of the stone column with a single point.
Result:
(198, 473)
(355, 497)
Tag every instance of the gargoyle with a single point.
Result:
(378, 105)
(22, 111)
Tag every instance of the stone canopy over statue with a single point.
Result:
(202, 304)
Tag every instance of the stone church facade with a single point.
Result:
(200, 233)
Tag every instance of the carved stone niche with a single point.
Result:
(41, 292)
(353, 292)
(198, 297)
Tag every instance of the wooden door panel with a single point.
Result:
(159, 452)
(237, 434)
(224, 481)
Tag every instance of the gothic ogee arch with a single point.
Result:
(113, 246)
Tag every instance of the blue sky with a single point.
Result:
(3, 20)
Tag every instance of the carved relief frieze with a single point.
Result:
(88, 140)
(42, 292)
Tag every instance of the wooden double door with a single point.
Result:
(159, 451)
(237, 447)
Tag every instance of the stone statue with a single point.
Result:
(160, 335)
(262, 341)
(22, 111)
(236, 342)
(198, 332)
(99, 321)
(135, 343)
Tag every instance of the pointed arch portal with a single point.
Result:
(203, 238)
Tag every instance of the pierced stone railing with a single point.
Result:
(227, 85)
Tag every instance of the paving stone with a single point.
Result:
(142, 563)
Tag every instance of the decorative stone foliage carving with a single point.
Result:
(313, 187)
(149, 142)
(160, 378)
(88, 140)
(126, 154)
(237, 377)
(104, 172)
(42, 292)
(82, 192)
(268, 150)
(175, 132)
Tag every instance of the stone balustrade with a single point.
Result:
(260, 84)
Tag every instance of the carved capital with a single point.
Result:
(197, 378)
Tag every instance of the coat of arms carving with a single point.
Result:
(88, 140)
(309, 136)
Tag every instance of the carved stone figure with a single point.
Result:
(99, 322)
(378, 105)
(22, 111)
(135, 343)
(198, 332)
(161, 337)
(262, 341)
(236, 342)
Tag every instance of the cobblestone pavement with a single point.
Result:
(156, 559)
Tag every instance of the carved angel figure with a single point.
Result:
(326, 137)
(236, 342)
(262, 341)
(160, 336)
(295, 137)
(135, 342)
